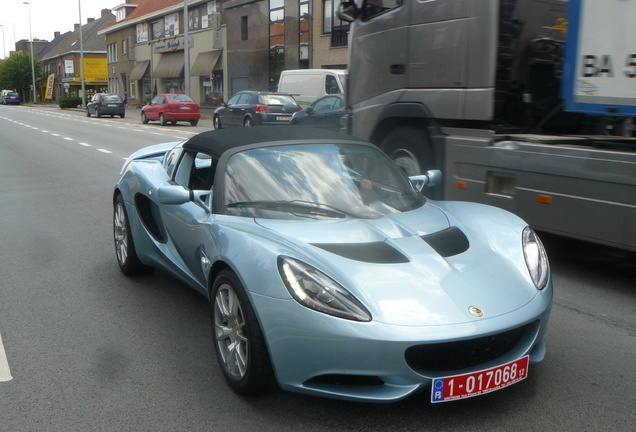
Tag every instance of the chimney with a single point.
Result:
(76, 27)
(105, 12)
(56, 34)
(90, 20)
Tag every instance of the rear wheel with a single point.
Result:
(173, 122)
(162, 120)
(123, 115)
(127, 258)
(144, 119)
(88, 113)
(248, 122)
(97, 113)
(238, 340)
(410, 149)
(194, 122)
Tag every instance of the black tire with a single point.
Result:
(88, 113)
(173, 122)
(125, 252)
(144, 119)
(238, 340)
(410, 148)
(217, 122)
(162, 120)
(248, 122)
(97, 113)
(194, 122)
(123, 115)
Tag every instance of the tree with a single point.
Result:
(15, 73)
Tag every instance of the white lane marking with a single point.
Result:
(104, 151)
(85, 144)
(54, 134)
(5, 373)
(69, 139)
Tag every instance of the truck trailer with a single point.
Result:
(527, 105)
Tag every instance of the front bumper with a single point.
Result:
(316, 354)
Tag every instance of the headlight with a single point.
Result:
(536, 258)
(312, 288)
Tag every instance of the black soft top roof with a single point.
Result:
(217, 142)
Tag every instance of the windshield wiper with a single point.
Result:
(295, 207)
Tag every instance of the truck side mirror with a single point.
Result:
(348, 11)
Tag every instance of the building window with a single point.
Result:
(142, 32)
(303, 30)
(112, 52)
(158, 29)
(331, 24)
(172, 24)
(244, 27)
(124, 46)
(276, 41)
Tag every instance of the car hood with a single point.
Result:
(395, 266)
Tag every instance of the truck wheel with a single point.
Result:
(410, 149)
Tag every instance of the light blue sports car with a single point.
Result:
(327, 270)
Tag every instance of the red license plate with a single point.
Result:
(480, 382)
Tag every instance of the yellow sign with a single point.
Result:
(49, 87)
(95, 70)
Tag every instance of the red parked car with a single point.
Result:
(171, 107)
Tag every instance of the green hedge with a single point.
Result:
(70, 102)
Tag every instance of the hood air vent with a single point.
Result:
(375, 253)
(449, 242)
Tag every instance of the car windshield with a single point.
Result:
(180, 98)
(277, 100)
(316, 181)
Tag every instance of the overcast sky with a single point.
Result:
(47, 17)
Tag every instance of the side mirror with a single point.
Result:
(348, 11)
(309, 110)
(430, 179)
(177, 195)
(173, 195)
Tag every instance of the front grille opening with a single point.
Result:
(346, 380)
(450, 356)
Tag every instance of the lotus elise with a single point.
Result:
(329, 272)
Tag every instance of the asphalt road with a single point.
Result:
(88, 349)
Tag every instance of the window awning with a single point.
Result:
(169, 66)
(205, 62)
(139, 70)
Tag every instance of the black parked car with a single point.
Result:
(253, 108)
(324, 113)
(105, 104)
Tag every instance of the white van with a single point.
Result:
(307, 85)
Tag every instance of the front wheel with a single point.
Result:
(127, 258)
(144, 119)
(162, 120)
(88, 113)
(217, 122)
(238, 340)
(410, 148)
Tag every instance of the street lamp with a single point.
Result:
(32, 58)
(186, 46)
(81, 38)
